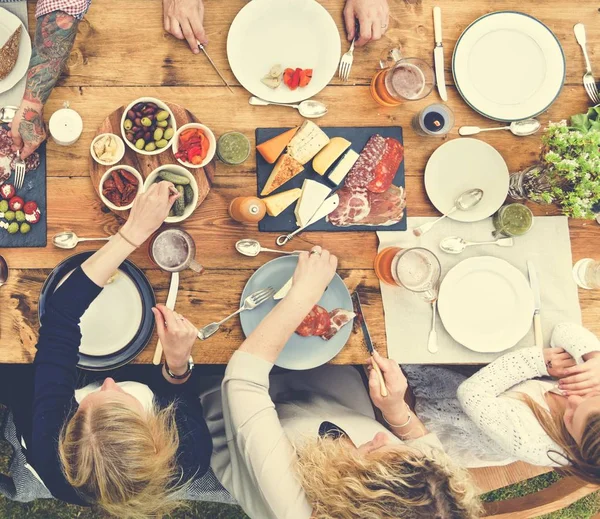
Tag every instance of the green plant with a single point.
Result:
(570, 165)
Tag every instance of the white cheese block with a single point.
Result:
(313, 195)
(344, 166)
(283, 291)
(307, 142)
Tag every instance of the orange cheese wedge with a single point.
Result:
(274, 147)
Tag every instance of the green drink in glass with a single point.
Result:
(512, 220)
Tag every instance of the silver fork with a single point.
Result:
(589, 82)
(250, 303)
(19, 171)
(346, 62)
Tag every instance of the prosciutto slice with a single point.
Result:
(339, 318)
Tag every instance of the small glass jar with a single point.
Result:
(512, 220)
(586, 273)
(233, 148)
(435, 120)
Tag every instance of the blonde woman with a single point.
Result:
(534, 418)
(122, 447)
(300, 445)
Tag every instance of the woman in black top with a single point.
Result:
(125, 449)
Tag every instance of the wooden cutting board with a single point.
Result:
(145, 164)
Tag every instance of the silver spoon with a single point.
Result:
(3, 271)
(456, 244)
(464, 202)
(69, 240)
(518, 128)
(251, 248)
(310, 108)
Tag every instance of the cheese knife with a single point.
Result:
(438, 53)
(537, 303)
(368, 342)
(171, 298)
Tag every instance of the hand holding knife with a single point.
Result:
(361, 320)
(171, 298)
(438, 54)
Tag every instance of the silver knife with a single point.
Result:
(201, 47)
(368, 342)
(438, 53)
(171, 298)
(537, 304)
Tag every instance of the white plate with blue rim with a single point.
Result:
(508, 66)
(299, 352)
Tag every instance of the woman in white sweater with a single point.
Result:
(537, 419)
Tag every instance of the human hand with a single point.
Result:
(27, 128)
(581, 379)
(314, 272)
(177, 336)
(556, 360)
(392, 406)
(149, 211)
(373, 19)
(184, 19)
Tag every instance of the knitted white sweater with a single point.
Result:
(506, 419)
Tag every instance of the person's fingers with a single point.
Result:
(16, 138)
(199, 33)
(574, 370)
(188, 33)
(166, 22)
(373, 382)
(27, 150)
(176, 28)
(350, 22)
(387, 366)
(325, 255)
(365, 32)
(169, 316)
(581, 392)
(588, 384)
(160, 322)
(376, 30)
(564, 356)
(333, 260)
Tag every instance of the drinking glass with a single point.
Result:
(173, 250)
(512, 220)
(401, 79)
(435, 120)
(586, 273)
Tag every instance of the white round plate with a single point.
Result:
(508, 66)
(292, 33)
(486, 304)
(463, 164)
(299, 352)
(8, 24)
(113, 319)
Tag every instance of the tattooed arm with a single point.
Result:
(54, 37)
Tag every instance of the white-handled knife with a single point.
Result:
(537, 304)
(171, 298)
(438, 53)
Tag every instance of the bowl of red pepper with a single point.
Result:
(194, 145)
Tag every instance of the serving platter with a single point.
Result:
(145, 164)
(118, 324)
(8, 24)
(299, 352)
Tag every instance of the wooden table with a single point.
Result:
(122, 52)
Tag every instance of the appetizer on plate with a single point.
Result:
(17, 215)
(9, 52)
(321, 323)
(293, 78)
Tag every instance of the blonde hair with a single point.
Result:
(121, 460)
(339, 481)
(581, 460)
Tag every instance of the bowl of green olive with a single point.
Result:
(148, 126)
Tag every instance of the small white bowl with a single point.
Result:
(162, 106)
(212, 144)
(131, 170)
(120, 150)
(180, 170)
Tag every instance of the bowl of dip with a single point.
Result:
(233, 148)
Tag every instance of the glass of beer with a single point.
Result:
(174, 250)
(417, 269)
(401, 79)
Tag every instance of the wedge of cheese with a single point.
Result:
(271, 149)
(276, 204)
(307, 142)
(329, 154)
(343, 167)
(285, 169)
(313, 195)
(283, 291)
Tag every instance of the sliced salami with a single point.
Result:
(338, 318)
(309, 324)
(386, 169)
(323, 321)
(32, 162)
(363, 171)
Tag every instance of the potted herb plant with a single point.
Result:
(568, 172)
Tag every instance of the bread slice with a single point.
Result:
(9, 53)
(285, 169)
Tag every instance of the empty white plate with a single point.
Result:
(508, 66)
(291, 33)
(463, 164)
(8, 24)
(486, 304)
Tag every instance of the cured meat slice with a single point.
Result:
(386, 169)
(313, 322)
(353, 208)
(363, 170)
(386, 208)
(32, 162)
(323, 321)
(338, 318)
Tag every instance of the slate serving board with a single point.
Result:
(286, 221)
(34, 188)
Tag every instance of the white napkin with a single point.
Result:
(408, 318)
(15, 94)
